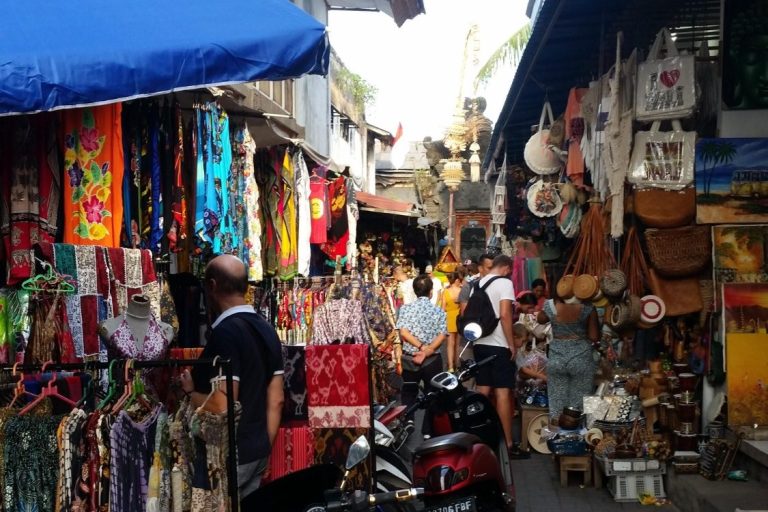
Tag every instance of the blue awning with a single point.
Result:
(58, 54)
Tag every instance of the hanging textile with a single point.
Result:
(30, 189)
(30, 452)
(332, 447)
(353, 214)
(338, 232)
(295, 384)
(318, 199)
(337, 385)
(293, 450)
(339, 321)
(303, 214)
(287, 213)
(93, 162)
(269, 196)
(177, 233)
(156, 206)
(251, 242)
(574, 131)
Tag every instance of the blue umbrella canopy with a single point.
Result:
(57, 54)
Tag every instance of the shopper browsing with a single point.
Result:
(498, 377)
(239, 334)
(423, 329)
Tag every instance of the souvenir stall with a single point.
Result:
(109, 210)
(655, 194)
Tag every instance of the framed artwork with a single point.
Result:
(731, 181)
(745, 54)
(739, 256)
(745, 317)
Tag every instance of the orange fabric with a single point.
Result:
(574, 129)
(93, 181)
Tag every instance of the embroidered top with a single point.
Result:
(424, 320)
(122, 342)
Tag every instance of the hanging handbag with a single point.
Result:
(659, 208)
(544, 199)
(679, 252)
(663, 159)
(680, 296)
(666, 87)
(541, 156)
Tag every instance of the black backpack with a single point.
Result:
(479, 310)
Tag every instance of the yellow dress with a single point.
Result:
(452, 309)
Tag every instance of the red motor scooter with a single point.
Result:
(466, 466)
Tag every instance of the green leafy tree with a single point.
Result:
(508, 54)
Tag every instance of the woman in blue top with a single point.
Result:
(571, 367)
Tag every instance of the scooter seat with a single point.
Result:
(456, 440)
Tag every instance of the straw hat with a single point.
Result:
(539, 155)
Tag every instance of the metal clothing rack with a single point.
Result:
(224, 364)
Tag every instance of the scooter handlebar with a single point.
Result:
(399, 496)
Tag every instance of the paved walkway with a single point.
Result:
(538, 489)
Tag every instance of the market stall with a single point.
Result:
(638, 179)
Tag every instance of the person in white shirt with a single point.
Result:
(498, 377)
(405, 285)
(437, 287)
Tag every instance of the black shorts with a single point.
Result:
(499, 373)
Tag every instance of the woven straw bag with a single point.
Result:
(679, 252)
(613, 283)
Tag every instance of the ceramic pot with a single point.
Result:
(572, 412)
(687, 381)
(686, 442)
(686, 412)
(716, 430)
(679, 368)
(566, 422)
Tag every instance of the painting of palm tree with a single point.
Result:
(732, 181)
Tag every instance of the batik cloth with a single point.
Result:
(293, 449)
(30, 190)
(251, 242)
(332, 446)
(318, 201)
(269, 196)
(338, 231)
(295, 384)
(93, 163)
(337, 385)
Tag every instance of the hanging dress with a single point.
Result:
(252, 218)
(303, 215)
(287, 211)
(93, 161)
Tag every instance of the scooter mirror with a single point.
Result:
(358, 452)
(472, 332)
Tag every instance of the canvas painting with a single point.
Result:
(739, 255)
(731, 181)
(745, 52)
(747, 379)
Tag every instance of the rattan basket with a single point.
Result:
(679, 252)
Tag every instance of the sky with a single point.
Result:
(417, 67)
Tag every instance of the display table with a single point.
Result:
(529, 412)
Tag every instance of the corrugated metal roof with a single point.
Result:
(573, 42)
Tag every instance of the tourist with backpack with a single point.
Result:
(490, 309)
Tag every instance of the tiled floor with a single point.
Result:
(538, 489)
